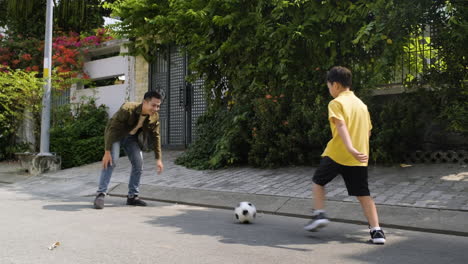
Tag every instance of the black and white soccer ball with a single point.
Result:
(245, 212)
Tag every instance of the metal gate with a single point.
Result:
(183, 102)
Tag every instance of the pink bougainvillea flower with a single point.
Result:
(26, 56)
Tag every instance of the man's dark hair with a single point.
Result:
(152, 94)
(340, 75)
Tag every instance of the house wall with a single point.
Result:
(113, 96)
(141, 77)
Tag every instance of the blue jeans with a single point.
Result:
(133, 151)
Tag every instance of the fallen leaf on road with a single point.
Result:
(54, 245)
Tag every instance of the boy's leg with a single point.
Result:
(135, 156)
(369, 209)
(105, 177)
(318, 191)
(326, 172)
(355, 178)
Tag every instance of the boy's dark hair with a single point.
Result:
(152, 94)
(340, 75)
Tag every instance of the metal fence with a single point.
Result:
(418, 57)
(60, 97)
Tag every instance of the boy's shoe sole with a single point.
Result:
(378, 241)
(316, 225)
(377, 237)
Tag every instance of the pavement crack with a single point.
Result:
(281, 206)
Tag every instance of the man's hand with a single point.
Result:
(159, 166)
(107, 159)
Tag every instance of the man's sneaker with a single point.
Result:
(318, 221)
(377, 236)
(136, 201)
(99, 201)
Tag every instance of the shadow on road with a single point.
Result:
(277, 232)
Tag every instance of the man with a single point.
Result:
(132, 121)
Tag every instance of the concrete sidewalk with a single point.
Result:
(432, 198)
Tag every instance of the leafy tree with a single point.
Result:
(264, 61)
(20, 84)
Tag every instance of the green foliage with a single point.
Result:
(19, 91)
(27, 17)
(288, 131)
(220, 143)
(19, 14)
(248, 50)
(398, 125)
(77, 133)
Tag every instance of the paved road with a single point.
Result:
(171, 233)
(422, 198)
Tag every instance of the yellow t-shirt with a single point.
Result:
(349, 108)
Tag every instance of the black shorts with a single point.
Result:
(355, 177)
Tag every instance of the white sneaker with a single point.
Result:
(318, 221)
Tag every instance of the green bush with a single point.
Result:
(220, 143)
(289, 131)
(77, 133)
(19, 91)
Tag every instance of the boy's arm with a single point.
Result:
(344, 135)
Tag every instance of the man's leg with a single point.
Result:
(135, 156)
(106, 175)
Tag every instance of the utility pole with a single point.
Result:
(44, 161)
(46, 98)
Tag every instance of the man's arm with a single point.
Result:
(114, 126)
(344, 135)
(110, 134)
(157, 148)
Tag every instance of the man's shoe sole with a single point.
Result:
(136, 204)
(98, 205)
(316, 225)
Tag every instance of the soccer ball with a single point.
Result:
(245, 212)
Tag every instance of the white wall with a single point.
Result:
(108, 67)
(112, 96)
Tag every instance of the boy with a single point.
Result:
(347, 153)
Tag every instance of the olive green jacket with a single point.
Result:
(125, 120)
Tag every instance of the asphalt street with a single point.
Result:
(174, 233)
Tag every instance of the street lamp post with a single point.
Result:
(44, 161)
(46, 99)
